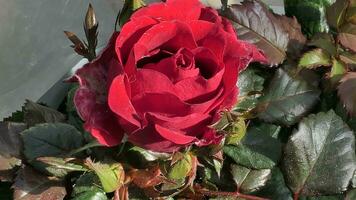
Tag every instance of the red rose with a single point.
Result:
(165, 78)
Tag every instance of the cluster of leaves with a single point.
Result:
(300, 114)
(291, 136)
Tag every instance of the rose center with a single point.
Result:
(185, 59)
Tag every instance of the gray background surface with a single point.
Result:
(35, 55)
(34, 52)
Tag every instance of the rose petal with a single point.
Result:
(242, 51)
(167, 35)
(216, 41)
(183, 10)
(231, 99)
(162, 103)
(151, 81)
(91, 98)
(185, 123)
(207, 62)
(85, 102)
(148, 138)
(103, 126)
(119, 100)
(168, 67)
(201, 29)
(191, 88)
(210, 15)
(176, 137)
(228, 27)
(210, 137)
(208, 103)
(130, 33)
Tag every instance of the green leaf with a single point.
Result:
(347, 36)
(351, 195)
(50, 140)
(348, 58)
(87, 188)
(5, 191)
(218, 165)
(17, 116)
(249, 82)
(320, 156)
(129, 7)
(324, 41)
(274, 34)
(275, 188)
(136, 193)
(343, 113)
(36, 114)
(236, 132)
(111, 174)
(257, 150)
(331, 197)
(264, 128)
(346, 92)
(181, 168)
(176, 185)
(315, 58)
(338, 69)
(248, 180)
(70, 107)
(30, 185)
(213, 181)
(335, 13)
(66, 165)
(287, 99)
(91, 195)
(86, 182)
(149, 155)
(214, 162)
(311, 14)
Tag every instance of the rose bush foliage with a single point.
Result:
(165, 78)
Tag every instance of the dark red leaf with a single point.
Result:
(274, 34)
(347, 93)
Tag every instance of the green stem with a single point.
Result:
(85, 147)
(122, 146)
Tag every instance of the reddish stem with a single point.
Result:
(229, 194)
(296, 196)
